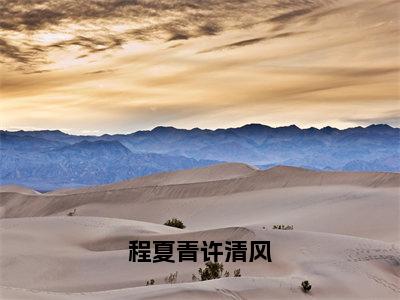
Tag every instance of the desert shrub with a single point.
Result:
(306, 286)
(72, 213)
(171, 278)
(150, 282)
(174, 222)
(236, 273)
(213, 270)
(283, 227)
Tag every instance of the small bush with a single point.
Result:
(236, 273)
(283, 227)
(150, 282)
(306, 286)
(174, 222)
(171, 278)
(213, 270)
(72, 213)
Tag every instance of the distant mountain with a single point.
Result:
(259, 144)
(83, 163)
(96, 148)
(16, 142)
(55, 159)
(390, 164)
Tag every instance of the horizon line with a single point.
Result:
(198, 128)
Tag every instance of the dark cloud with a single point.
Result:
(167, 20)
(237, 44)
(39, 18)
(209, 29)
(248, 42)
(288, 16)
(179, 36)
(8, 25)
(104, 71)
(92, 45)
(37, 72)
(12, 52)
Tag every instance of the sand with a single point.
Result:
(345, 239)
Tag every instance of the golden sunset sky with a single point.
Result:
(117, 66)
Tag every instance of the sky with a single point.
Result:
(118, 66)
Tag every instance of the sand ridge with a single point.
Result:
(344, 239)
(105, 271)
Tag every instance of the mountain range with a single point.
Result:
(50, 159)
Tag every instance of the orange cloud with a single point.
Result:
(119, 66)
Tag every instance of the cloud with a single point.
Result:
(39, 18)
(248, 42)
(92, 22)
(12, 52)
(104, 71)
(288, 16)
(92, 45)
(122, 65)
(391, 117)
(241, 43)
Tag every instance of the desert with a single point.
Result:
(344, 241)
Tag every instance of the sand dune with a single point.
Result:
(17, 189)
(345, 237)
(207, 174)
(89, 255)
(282, 194)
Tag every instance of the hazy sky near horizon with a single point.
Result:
(108, 66)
